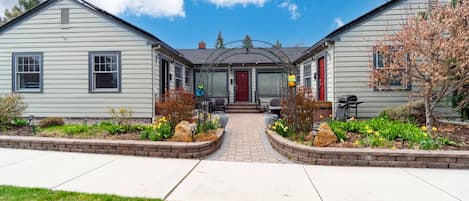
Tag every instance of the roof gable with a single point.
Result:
(100, 12)
(357, 21)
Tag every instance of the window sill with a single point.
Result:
(35, 91)
(117, 91)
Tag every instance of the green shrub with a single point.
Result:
(338, 130)
(51, 121)
(11, 106)
(75, 129)
(379, 132)
(413, 112)
(151, 134)
(19, 122)
(115, 129)
(282, 128)
(212, 123)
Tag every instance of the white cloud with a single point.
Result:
(4, 4)
(292, 8)
(338, 22)
(152, 8)
(231, 3)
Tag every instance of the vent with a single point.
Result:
(65, 16)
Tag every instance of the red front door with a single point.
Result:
(242, 86)
(322, 79)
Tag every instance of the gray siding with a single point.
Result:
(66, 63)
(353, 54)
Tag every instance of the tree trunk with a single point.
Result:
(428, 114)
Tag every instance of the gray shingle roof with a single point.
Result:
(239, 55)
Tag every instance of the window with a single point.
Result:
(381, 62)
(271, 84)
(307, 75)
(187, 79)
(178, 73)
(217, 82)
(105, 70)
(27, 69)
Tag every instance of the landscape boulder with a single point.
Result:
(325, 136)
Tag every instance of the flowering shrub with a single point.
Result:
(11, 107)
(159, 130)
(381, 132)
(122, 116)
(281, 127)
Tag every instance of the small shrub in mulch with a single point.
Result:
(51, 121)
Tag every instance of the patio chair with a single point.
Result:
(219, 105)
(275, 106)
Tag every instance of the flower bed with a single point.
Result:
(123, 147)
(384, 133)
(367, 156)
(157, 139)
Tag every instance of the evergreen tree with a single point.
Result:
(247, 42)
(219, 43)
(278, 44)
(22, 7)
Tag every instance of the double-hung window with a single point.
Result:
(27, 72)
(105, 68)
(307, 75)
(396, 76)
(178, 73)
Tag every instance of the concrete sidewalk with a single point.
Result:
(194, 180)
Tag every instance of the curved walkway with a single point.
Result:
(245, 141)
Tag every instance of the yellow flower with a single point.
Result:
(381, 139)
(424, 128)
(376, 132)
(369, 131)
(435, 129)
(357, 142)
(394, 147)
(425, 135)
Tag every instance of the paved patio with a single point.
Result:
(195, 180)
(245, 141)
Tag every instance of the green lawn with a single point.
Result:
(9, 193)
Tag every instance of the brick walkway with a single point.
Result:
(245, 141)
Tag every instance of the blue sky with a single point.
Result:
(183, 23)
(271, 22)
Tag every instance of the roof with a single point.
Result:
(239, 55)
(329, 38)
(155, 40)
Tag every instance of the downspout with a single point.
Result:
(153, 66)
(156, 66)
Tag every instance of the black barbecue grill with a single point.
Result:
(346, 103)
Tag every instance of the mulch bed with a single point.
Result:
(202, 137)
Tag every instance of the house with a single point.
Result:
(68, 58)
(243, 77)
(339, 64)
